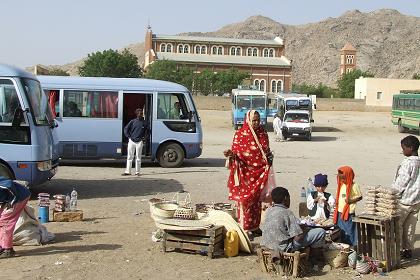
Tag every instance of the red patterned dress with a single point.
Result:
(249, 172)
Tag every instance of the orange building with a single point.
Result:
(264, 60)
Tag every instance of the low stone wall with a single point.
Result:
(322, 104)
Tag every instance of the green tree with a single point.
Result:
(167, 70)
(416, 76)
(58, 72)
(111, 63)
(346, 82)
(204, 82)
(225, 81)
(319, 90)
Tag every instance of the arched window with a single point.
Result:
(163, 47)
(214, 50)
(197, 49)
(349, 59)
(180, 48)
(255, 52)
(262, 85)
(273, 86)
(257, 84)
(220, 51)
(238, 51)
(203, 50)
(186, 49)
(232, 51)
(271, 53)
(249, 52)
(169, 48)
(279, 86)
(265, 52)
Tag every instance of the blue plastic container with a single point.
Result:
(43, 214)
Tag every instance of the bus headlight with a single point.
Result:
(44, 165)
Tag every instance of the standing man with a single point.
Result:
(407, 182)
(135, 131)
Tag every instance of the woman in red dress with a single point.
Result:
(250, 161)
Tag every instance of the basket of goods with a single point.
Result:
(164, 210)
(336, 254)
(185, 210)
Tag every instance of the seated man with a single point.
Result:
(281, 229)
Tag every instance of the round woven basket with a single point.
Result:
(164, 210)
(185, 213)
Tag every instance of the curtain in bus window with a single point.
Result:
(103, 105)
(52, 98)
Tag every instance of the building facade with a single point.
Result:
(347, 59)
(379, 92)
(264, 60)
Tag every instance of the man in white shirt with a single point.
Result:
(407, 182)
(277, 128)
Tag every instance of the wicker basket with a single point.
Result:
(185, 210)
(164, 210)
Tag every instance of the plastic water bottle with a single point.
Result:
(303, 194)
(67, 203)
(73, 200)
(310, 188)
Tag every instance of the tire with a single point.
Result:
(401, 129)
(170, 155)
(5, 172)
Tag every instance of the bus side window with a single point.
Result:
(9, 101)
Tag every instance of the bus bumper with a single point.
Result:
(31, 172)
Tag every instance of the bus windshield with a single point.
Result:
(38, 101)
(243, 102)
(258, 103)
(305, 104)
(292, 104)
(9, 101)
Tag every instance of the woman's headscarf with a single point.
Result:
(248, 125)
(348, 181)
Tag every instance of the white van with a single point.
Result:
(297, 123)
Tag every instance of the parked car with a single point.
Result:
(297, 123)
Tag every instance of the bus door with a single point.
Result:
(132, 101)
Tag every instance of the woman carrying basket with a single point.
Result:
(250, 160)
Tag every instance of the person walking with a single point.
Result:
(135, 131)
(277, 128)
(13, 198)
(250, 161)
(407, 182)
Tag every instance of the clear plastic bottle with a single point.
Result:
(310, 187)
(303, 195)
(73, 200)
(67, 203)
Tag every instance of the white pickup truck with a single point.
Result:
(297, 123)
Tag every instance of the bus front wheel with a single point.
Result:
(171, 155)
(401, 129)
(5, 172)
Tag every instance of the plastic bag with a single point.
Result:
(265, 195)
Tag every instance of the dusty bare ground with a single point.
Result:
(114, 240)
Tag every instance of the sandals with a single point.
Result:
(7, 253)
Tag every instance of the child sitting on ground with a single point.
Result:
(320, 203)
(281, 230)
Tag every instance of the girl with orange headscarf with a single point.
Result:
(348, 194)
(249, 170)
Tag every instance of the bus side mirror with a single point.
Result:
(312, 121)
(17, 117)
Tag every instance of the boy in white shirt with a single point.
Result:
(320, 203)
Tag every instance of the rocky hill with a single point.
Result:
(387, 43)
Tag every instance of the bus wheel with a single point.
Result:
(5, 172)
(171, 155)
(401, 129)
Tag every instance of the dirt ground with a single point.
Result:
(114, 240)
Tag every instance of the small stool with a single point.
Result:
(289, 264)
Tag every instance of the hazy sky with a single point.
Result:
(58, 32)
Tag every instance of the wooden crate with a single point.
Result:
(209, 241)
(71, 216)
(379, 238)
